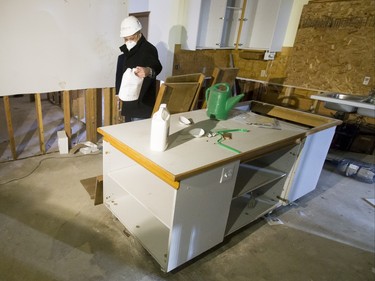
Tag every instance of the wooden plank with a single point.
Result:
(81, 104)
(108, 106)
(244, 3)
(67, 114)
(8, 117)
(74, 102)
(89, 185)
(159, 97)
(287, 100)
(98, 198)
(186, 78)
(304, 118)
(223, 75)
(94, 187)
(99, 108)
(91, 115)
(117, 118)
(179, 97)
(315, 105)
(39, 118)
(114, 113)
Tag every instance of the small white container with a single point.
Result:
(62, 141)
(160, 129)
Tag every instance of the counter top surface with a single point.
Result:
(186, 154)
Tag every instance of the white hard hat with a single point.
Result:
(129, 26)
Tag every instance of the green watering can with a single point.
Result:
(220, 101)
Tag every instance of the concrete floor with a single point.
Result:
(51, 230)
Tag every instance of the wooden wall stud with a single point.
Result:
(39, 117)
(8, 117)
(67, 127)
(91, 115)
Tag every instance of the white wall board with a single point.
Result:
(138, 6)
(165, 31)
(53, 45)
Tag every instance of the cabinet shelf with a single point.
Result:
(253, 176)
(248, 208)
(160, 197)
(259, 183)
(142, 224)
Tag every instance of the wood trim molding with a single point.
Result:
(143, 161)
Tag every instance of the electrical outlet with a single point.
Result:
(269, 55)
(226, 174)
(366, 80)
(263, 73)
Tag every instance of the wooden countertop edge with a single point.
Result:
(143, 161)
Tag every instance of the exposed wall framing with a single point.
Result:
(86, 105)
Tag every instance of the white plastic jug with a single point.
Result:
(160, 129)
(131, 86)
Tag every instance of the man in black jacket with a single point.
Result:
(141, 56)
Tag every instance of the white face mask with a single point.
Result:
(130, 44)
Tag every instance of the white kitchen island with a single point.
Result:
(181, 202)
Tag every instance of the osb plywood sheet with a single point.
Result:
(335, 47)
(203, 61)
(250, 63)
(260, 69)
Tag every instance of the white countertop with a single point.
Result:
(185, 153)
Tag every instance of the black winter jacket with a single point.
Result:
(143, 54)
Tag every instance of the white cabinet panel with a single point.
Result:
(267, 24)
(211, 23)
(189, 33)
(219, 23)
(264, 24)
(306, 171)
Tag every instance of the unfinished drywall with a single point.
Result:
(50, 46)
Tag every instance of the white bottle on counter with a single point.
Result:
(160, 129)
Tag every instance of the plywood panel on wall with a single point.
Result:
(335, 47)
(202, 61)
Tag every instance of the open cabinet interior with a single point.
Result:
(258, 187)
